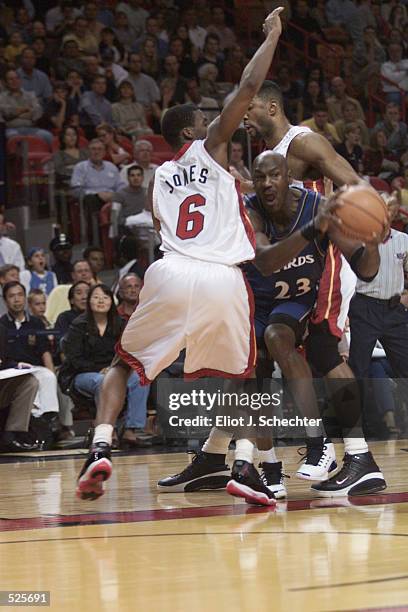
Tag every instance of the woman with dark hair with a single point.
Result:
(67, 156)
(115, 152)
(150, 57)
(89, 347)
(128, 115)
(312, 96)
(77, 296)
(109, 42)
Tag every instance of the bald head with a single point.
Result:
(271, 181)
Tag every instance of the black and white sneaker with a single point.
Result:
(319, 461)
(272, 476)
(360, 475)
(97, 469)
(247, 483)
(207, 471)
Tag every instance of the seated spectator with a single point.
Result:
(60, 108)
(89, 347)
(193, 94)
(395, 129)
(114, 152)
(94, 180)
(234, 64)
(145, 88)
(136, 16)
(96, 258)
(315, 73)
(217, 26)
(187, 60)
(172, 74)
(368, 56)
(379, 160)
(312, 97)
(58, 299)
(32, 79)
(128, 115)
(396, 71)
(8, 274)
(303, 19)
(10, 250)
(320, 124)
(94, 108)
(111, 43)
(344, 14)
(21, 110)
(37, 305)
(76, 89)
(128, 294)
(17, 394)
(237, 161)
(37, 276)
(27, 342)
(129, 259)
(350, 116)
(67, 156)
(142, 155)
(69, 59)
(290, 91)
(15, 48)
(398, 16)
(91, 15)
(77, 296)
(350, 148)
(167, 92)
(61, 248)
(196, 33)
(208, 74)
(114, 73)
(42, 62)
(338, 98)
(130, 200)
(211, 55)
(124, 33)
(87, 43)
(152, 33)
(149, 55)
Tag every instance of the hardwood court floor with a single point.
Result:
(135, 549)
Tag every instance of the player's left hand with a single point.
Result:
(326, 219)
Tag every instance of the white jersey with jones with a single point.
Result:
(200, 209)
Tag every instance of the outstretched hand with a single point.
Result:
(273, 22)
(326, 219)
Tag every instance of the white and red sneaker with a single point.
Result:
(97, 469)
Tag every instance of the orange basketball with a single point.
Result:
(363, 212)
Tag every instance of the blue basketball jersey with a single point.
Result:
(298, 280)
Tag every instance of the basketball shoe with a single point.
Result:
(320, 460)
(247, 483)
(272, 477)
(97, 469)
(360, 475)
(206, 471)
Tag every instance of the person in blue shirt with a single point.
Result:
(37, 276)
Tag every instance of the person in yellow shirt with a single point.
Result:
(14, 48)
(319, 123)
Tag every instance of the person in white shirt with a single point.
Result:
(395, 70)
(10, 250)
(136, 15)
(196, 33)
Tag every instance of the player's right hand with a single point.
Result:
(325, 218)
(273, 22)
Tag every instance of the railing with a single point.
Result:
(307, 37)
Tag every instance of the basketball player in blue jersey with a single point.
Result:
(292, 230)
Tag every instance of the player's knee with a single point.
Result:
(280, 341)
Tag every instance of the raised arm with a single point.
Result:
(223, 127)
(319, 153)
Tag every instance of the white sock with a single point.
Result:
(244, 451)
(103, 433)
(217, 442)
(267, 456)
(355, 446)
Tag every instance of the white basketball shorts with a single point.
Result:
(206, 308)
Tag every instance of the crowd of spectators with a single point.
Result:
(92, 79)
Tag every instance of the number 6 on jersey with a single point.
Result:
(190, 222)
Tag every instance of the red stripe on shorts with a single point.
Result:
(329, 298)
(134, 363)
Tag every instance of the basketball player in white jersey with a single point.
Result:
(311, 156)
(195, 298)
